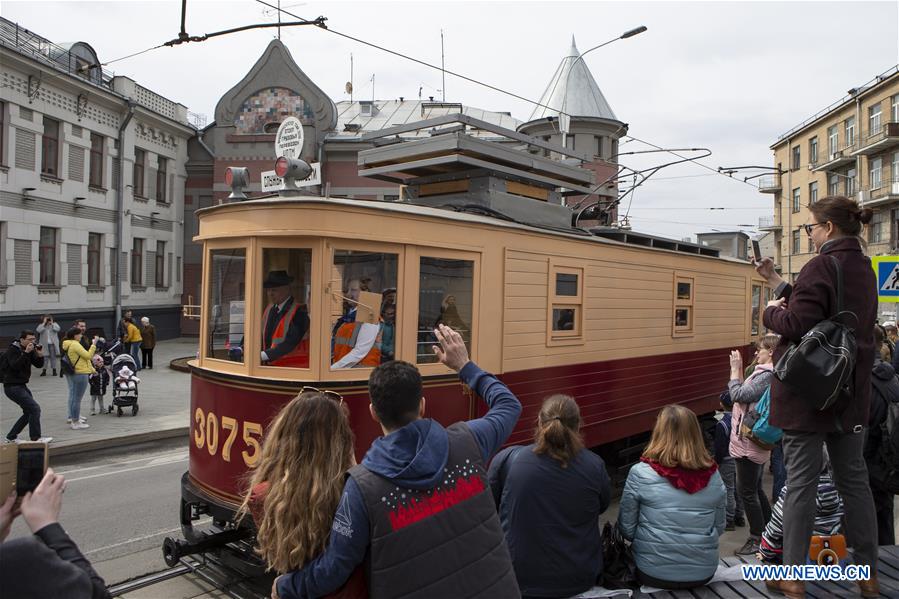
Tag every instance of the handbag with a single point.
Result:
(65, 364)
(755, 425)
(820, 367)
(619, 570)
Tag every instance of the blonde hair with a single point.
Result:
(558, 426)
(307, 451)
(677, 440)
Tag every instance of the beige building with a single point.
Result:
(850, 148)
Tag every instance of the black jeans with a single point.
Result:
(147, 357)
(883, 506)
(755, 501)
(31, 412)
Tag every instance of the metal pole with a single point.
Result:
(442, 67)
(351, 77)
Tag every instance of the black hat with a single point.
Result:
(277, 278)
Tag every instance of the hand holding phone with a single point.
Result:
(756, 252)
(41, 507)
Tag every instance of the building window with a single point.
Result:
(2, 132)
(812, 192)
(875, 229)
(47, 256)
(796, 247)
(566, 313)
(813, 150)
(894, 108)
(833, 185)
(795, 159)
(96, 174)
(850, 131)
(50, 148)
(160, 180)
(850, 182)
(140, 158)
(94, 253)
(833, 140)
(683, 305)
(894, 168)
(875, 174)
(160, 264)
(874, 119)
(796, 199)
(811, 245)
(137, 263)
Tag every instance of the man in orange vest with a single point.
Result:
(285, 323)
(359, 343)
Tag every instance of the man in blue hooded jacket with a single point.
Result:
(418, 511)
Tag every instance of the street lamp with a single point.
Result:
(564, 118)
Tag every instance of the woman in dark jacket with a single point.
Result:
(549, 496)
(834, 226)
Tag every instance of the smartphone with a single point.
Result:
(31, 466)
(756, 251)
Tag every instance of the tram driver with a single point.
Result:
(285, 324)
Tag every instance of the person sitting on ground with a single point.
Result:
(46, 563)
(418, 486)
(550, 495)
(673, 504)
(750, 458)
(295, 489)
(828, 517)
(884, 392)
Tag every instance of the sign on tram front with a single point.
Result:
(289, 140)
(270, 181)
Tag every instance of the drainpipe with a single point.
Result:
(120, 213)
(789, 196)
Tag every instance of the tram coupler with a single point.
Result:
(175, 549)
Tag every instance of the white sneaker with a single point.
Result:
(44, 440)
(82, 419)
(79, 425)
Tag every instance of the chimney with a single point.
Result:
(431, 98)
(401, 98)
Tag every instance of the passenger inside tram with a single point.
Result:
(362, 343)
(285, 324)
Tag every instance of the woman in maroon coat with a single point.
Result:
(834, 227)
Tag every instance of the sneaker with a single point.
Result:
(44, 372)
(82, 419)
(740, 521)
(8, 440)
(43, 440)
(79, 425)
(93, 412)
(750, 547)
(730, 526)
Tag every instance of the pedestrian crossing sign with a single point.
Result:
(887, 269)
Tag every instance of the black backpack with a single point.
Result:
(65, 363)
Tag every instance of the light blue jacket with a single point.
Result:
(674, 533)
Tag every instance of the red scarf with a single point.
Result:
(690, 481)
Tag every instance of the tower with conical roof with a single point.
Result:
(574, 112)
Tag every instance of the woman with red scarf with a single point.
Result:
(672, 507)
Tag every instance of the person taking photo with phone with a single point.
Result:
(48, 335)
(15, 371)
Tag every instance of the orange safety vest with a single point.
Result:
(298, 356)
(345, 341)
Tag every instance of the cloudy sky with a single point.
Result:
(729, 76)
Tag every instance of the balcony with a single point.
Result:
(878, 141)
(768, 223)
(769, 184)
(830, 161)
(887, 192)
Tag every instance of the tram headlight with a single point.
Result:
(237, 177)
(292, 170)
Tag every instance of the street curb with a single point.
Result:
(117, 442)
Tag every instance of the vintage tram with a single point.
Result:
(625, 323)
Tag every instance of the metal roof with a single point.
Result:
(573, 90)
(391, 113)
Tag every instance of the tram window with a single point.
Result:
(756, 302)
(225, 319)
(445, 292)
(684, 290)
(360, 344)
(563, 319)
(566, 284)
(682, 317)
(287, 278)
(683, 305)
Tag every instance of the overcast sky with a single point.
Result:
(730, 76)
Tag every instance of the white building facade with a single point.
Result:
(92, 176)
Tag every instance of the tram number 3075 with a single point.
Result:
(207, 434)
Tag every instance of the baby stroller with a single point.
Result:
(124, 397)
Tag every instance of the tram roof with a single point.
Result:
(614, 237)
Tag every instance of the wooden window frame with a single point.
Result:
(95, 260)
(137, 262)
(50, 145)
(409, 305)
(98, 143)
(48, 269)
(752, 288)
(576, 336)
(331, 245)
(161, 176)
(137, 174)
(159, 266)
(680, 304)
(250, 325)
(317, 326)
(3, 135)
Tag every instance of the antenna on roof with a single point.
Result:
(349, 85)
(442, 67)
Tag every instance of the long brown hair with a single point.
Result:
(307, 450)
(677, 440)
(558, 429)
